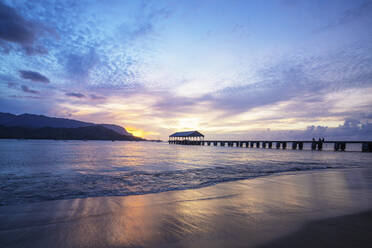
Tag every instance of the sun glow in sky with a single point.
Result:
(226, 68)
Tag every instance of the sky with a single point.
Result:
(230, 69)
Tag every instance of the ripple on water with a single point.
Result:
(33, 171)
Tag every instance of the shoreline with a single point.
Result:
(250, 213)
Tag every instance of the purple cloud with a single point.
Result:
(34, 76)
(95, 97)
(78, 66)
(363, 10)
(12, 85)
(13, 27)
(28, 90)
(73, 94)
(352, 129)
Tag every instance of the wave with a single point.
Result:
(39, 187)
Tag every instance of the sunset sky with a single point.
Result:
(225, 68)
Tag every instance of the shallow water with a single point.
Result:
(39, 170)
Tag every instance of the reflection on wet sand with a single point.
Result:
(245, 213)
(322, 233)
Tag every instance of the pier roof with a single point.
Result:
(187, 134)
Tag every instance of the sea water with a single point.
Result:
(41, 170)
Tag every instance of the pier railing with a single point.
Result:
(366, 146)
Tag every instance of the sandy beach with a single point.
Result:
(326, 208)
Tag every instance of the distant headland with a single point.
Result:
(29, 126)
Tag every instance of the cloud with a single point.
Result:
(24, 88)
(25, 97)
(34, 76)
(112, 53)
(95, 97)
(145, 21)
(28, 90)
(352, 129)
(173, 104)
(78, 66)
(238, 99)
(21, 104)
(74, 94)
(299, 91)
(15, 29)
(12, 85)
(307, 79)
(30, 50)
(363, 10)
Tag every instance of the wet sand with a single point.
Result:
(344, 231)
(328, 208)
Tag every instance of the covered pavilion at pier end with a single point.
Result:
(190, 137)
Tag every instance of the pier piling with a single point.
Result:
(343, 146)
(337, 146)
(294, 145)
(320, 145)
(284, 145)
(367, 147)
(313, 145)
(300, 145)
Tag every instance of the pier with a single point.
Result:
(196, 138)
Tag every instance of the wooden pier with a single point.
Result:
(196, 138)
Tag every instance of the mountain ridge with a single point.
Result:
(41, 121)
(79, 133)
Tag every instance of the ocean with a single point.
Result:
(42, 170)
